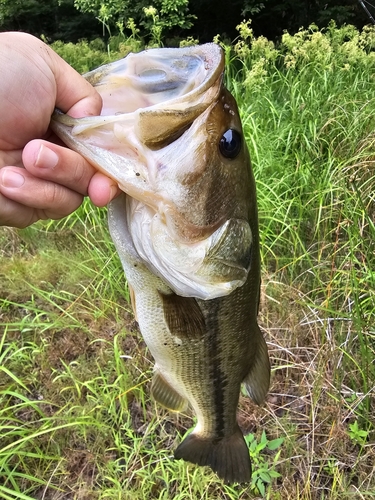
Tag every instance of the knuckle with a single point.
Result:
(80, 174)
(52, 194)
(60, 201)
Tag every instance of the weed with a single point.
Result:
(263, 472)
(357, 435)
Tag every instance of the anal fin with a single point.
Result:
(165, 395)
(257, 381)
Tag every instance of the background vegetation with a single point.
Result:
(70, 20)
(76, 421)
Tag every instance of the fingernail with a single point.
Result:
(12, 179)
(46, 158)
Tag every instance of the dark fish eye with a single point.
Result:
(230, 143)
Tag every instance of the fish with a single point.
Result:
(186, 229)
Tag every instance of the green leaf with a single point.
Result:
(275, 443)
(274, 474)
(265, 477)
(253, 446)
(261, 487)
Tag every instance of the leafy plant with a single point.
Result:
(155, 16)
(357, 435)
(263, 471)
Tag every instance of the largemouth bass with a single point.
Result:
(186, 230)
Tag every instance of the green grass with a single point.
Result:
(76, 419)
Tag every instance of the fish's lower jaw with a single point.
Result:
(229, 456)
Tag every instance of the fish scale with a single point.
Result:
(186, 230)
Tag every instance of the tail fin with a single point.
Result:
(228, 457)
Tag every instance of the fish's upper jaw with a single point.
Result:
(144, 110)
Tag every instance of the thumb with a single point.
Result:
(74, 95)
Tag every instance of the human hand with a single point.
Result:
(39, 178)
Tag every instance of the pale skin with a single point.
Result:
(39, 177)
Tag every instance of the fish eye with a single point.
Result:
(230, 144)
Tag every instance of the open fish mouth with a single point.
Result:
(156, 94)
(149, 100)
(157, 139)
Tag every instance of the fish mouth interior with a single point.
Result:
(169, 139)
(125, 93)
(158, 93)
(156, 76)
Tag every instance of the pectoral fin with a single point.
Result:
(257, 381)
(183, 316)
(165, 395)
